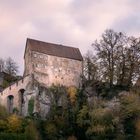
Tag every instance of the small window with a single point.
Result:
(35, 55)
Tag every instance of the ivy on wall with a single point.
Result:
(31, 106)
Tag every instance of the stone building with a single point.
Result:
(52, 63)
(47, 64)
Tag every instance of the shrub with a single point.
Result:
(3, 125)
(51, 131)
(31, 132)
(3, 112)
(12, 136)
(14, 124)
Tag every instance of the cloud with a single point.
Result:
(70, 22)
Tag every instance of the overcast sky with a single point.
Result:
(74, 23)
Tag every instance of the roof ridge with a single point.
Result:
(54, 49)
(52, 43)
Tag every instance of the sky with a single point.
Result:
(75, 23)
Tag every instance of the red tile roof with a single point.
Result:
(54, 49)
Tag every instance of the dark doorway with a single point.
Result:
(21, 101)
(10, 102)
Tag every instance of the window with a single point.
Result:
(35, 55)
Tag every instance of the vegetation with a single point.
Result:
(106, 107)
(9, 66)
(8, 72)
(31, 106)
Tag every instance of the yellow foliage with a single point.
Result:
(72, 91)
(14, 124)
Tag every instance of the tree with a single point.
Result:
(91, 70)
(118, 58)
(133, 59)
(2, 65)
(11, 66)
(107, 49)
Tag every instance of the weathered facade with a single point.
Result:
(53, 64)
(47, 64)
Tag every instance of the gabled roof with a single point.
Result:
(54, 49)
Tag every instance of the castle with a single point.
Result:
(48, 64)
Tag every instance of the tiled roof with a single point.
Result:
(54, 49)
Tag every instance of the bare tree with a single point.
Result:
(118, 58)
(11, 67)
(107, 49)
(91, 71)
(2, 64)
(133, 59)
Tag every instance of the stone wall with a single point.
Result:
(28, 66)
(13, 91)
(18, 95)
(50, 69)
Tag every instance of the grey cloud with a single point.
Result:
(130, 24)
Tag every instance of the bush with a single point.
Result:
(51, 131)
(31, 132)
(3, 125)
(12, 136)
(3, 112)
(14, 124)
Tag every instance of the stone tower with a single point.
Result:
(52, 63)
